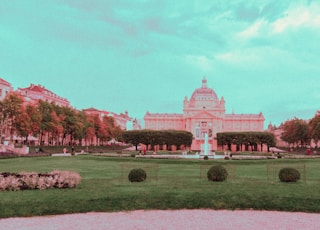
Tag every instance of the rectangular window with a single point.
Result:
(197, 132)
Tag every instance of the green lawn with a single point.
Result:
(173, 184)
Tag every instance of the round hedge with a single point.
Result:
(289, 175)
(217, 173)
(137, 175)
(205, 157)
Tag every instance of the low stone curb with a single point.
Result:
(61, 155)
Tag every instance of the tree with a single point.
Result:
(81, 132)
(246, 138)
(97, 126)
(45, 110)
(117, 133)
(295, 131)
(314, 129)
(267, 139)
(158, 137)
(2, 121)
(28, 122)
(182, 138)
(302, 132)
(133, 137)
(56, 128)
(103, 132)
(71, 124)
(11, 110)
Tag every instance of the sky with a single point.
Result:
(146, 56)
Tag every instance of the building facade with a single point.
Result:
(34, 93)
(204, 114)
(5, 88)
(120, 120)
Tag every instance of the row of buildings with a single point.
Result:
(34, 93)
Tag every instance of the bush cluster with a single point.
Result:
(137, 175)
(32, 180)
(205, 157)
(289, 175)
(217, 173)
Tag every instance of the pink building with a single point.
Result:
(204, 114)
(33, 93)
(93, 111)
(5, 88)
(119, 119)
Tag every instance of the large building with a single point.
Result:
(204, 114)
(33, 93)
(120, 120)
(5, 88)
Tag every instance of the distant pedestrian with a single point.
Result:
(144, 151)
(308, 151)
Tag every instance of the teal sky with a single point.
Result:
(139, 55)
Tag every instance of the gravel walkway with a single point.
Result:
(169, 219)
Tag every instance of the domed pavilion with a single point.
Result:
(204, 114)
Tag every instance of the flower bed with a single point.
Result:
(32, 180)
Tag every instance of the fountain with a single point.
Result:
(205, 147)
(205, 151)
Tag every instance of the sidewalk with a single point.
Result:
(169, 220)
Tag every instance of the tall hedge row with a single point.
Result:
(158, 137)
(246, 138)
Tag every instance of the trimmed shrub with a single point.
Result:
(137, 175)
(217, 173)
(206, 158)
(289, 175)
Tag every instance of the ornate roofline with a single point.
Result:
(4, 82)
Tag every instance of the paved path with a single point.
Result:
(169, 220)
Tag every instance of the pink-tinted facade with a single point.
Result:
(204, 113)
(5, 88)
(119, 119)
(34, 93)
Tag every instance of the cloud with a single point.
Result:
(255, 30)
(297, 17)
(246, 57)
(202, 62)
